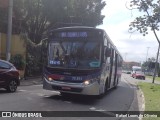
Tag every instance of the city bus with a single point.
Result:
(81, 60)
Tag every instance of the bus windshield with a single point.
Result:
(75, 54)
(137, 69)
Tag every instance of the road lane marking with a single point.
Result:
(22, 90)
(92, 108)
(103, 111)
(67, 102)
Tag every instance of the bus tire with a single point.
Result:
(116, 84)
(106, 86)
(104, 91)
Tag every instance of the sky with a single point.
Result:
(135, 46)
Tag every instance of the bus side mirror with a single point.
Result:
(108, 52)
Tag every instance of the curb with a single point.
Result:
(141, 95)
(138, 93)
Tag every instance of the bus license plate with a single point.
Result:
(66, 88)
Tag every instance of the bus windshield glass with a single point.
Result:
(137, 69)
(75, 54)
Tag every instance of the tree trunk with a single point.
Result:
(156, 64)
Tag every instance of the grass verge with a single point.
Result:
(151, 77)
(152, 97)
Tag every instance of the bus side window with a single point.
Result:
(108, 52)
(112, 56)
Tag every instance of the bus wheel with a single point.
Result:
(104, 91)
(115, 86)
(106, 87)
(100, 96)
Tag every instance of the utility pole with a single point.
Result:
(9, 30)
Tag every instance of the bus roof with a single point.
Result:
(75, 27)
(136, 67)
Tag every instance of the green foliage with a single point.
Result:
(152, 96)
(151, 77)
(149, 62)
(35, 17)
(150, 10)
(33, 67)
(18, 61)
(86, 12)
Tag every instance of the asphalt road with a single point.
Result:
(34, 98)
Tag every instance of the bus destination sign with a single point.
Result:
(72, 34)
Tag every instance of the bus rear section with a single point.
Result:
(77, 62)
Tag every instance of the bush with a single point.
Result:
(18, 61)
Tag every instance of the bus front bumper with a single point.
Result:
(75, 88)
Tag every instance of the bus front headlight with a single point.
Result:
(87, 82)
(50, 79)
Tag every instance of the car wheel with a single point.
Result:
(12, 86)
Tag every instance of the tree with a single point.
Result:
(34, 17)
(17, 16)
(150, 10)
(39, 15)
(3, 20)
(150, 64)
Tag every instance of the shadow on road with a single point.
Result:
(79, 99)
(3, 91)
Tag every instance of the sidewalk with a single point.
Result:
(31, 81)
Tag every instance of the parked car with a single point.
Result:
(139, 75)
(128, 72)
(9, 76)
